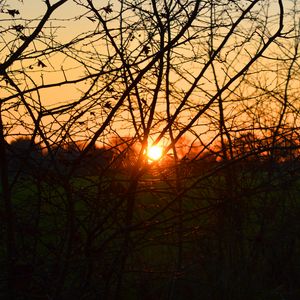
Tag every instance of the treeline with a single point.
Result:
(27, 157)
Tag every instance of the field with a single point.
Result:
(192, 231)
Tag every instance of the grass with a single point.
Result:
(223, 239)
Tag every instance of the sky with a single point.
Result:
(34, 9)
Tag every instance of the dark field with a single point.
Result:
(198, 230)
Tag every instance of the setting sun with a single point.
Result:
(154, 152)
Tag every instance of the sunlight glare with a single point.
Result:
(154, 152)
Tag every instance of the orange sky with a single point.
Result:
(31, 9)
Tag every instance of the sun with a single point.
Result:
(154, 152)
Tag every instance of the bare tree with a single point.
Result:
(92, 90)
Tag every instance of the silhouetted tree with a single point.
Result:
(213, 81)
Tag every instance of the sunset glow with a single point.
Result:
(154, 152)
